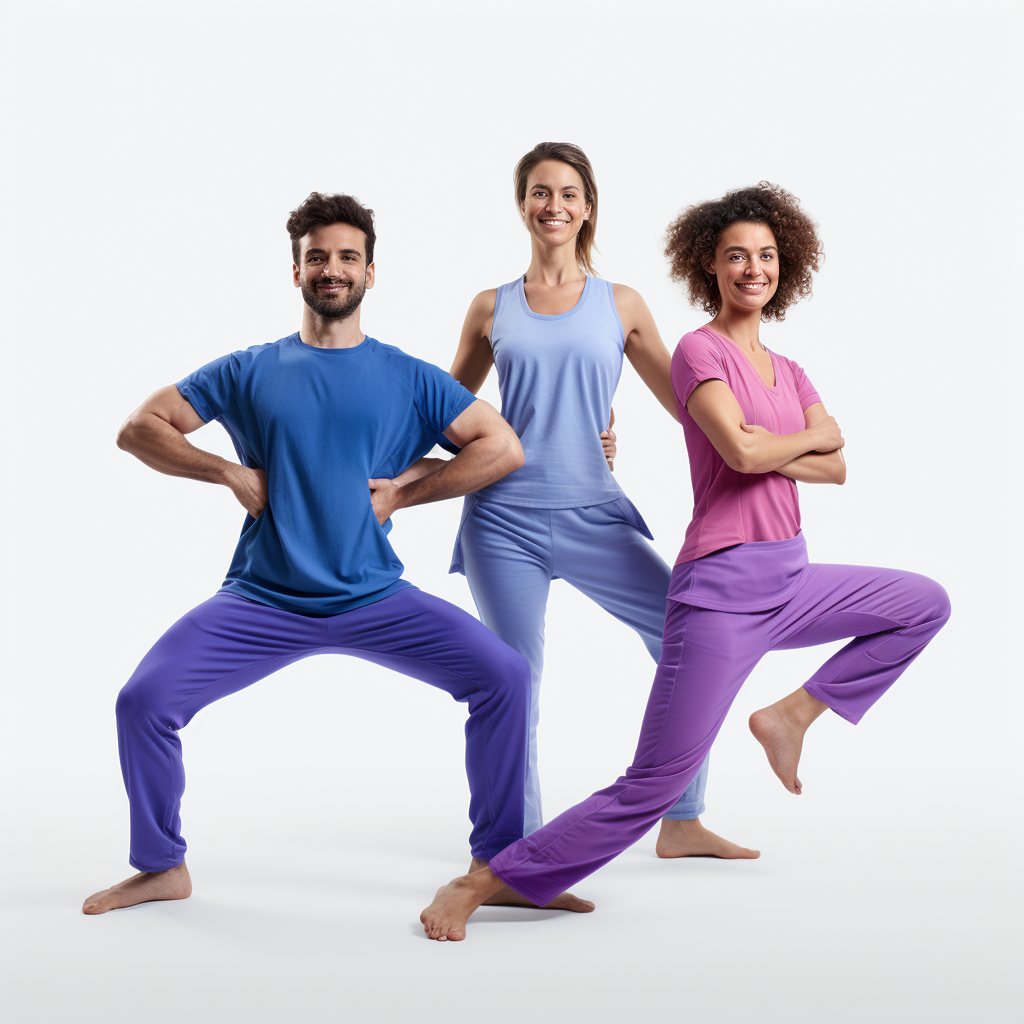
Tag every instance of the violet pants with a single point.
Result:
(706, 656)
(228, 643)
(510, 555)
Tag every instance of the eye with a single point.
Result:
(767, 256)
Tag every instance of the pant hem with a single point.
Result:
(815, 690)
(519, 887)
(683, 815)
(139, 866)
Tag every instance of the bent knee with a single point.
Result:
(510, 673)
(933, 602)
(140, 698)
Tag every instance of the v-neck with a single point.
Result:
(773, 387)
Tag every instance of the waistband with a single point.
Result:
(751, 577)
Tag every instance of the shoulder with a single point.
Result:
(699, 343)
(789, 364)
(261, 353)
(413, 371)
(626, 296)
(483, 302)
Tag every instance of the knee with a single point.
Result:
(138, 698)
(932, 601)
(512, 676)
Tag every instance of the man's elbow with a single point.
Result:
(514, 456)
(126, 433)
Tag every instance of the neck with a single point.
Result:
(554, 265)
(740, 326)
(322, 333)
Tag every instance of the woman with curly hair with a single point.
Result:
(742, 584)
(557, 336)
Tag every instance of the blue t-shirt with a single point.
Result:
(321, 422)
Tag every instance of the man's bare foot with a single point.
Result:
(780, 730)
(172, 884)
(691, 839)
(506, 897)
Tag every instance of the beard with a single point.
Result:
(334, 307)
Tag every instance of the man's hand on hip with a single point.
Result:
(384, 498)
(249, 486)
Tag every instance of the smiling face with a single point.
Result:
(746, 266)
(332, 270)
(555, 206)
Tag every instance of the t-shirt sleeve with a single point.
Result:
(211, 389)
(440, 399)
(696, 359)
(804, 388)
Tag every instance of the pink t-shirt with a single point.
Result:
(730, 507)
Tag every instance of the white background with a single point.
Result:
(153, 155)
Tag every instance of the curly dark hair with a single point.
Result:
(320, 208)
(692, 238)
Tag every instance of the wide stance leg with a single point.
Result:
(706, 656)
(427, 638)
(221, 646)
(506, 555)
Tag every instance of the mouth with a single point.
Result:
(331, 289)
(553, 222)
(754, 288)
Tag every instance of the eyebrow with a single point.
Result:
(739, 248)
(322, 252)
(564, 188)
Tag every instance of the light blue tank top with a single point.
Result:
(557, 375)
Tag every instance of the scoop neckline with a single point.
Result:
(551, 316)
(772, 388)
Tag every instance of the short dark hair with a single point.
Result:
(693, 238)
(321, 208)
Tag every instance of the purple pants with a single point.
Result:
(228, 643)
(707, 653)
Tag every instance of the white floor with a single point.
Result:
(872, 901)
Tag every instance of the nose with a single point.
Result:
(332, 268)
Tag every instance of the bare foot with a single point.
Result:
(780, 730)
(691, 839)
(445, 919)
(172, 884)
(506, 897)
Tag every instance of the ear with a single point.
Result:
(369, 275)
(586, 212)
(709, 267)
(296, 275)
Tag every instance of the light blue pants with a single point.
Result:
(510, 555)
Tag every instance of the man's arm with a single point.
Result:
(490, 450)
(155, 434)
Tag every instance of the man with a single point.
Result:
(324, 423)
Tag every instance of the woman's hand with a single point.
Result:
(608, 440)
(827, 435)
